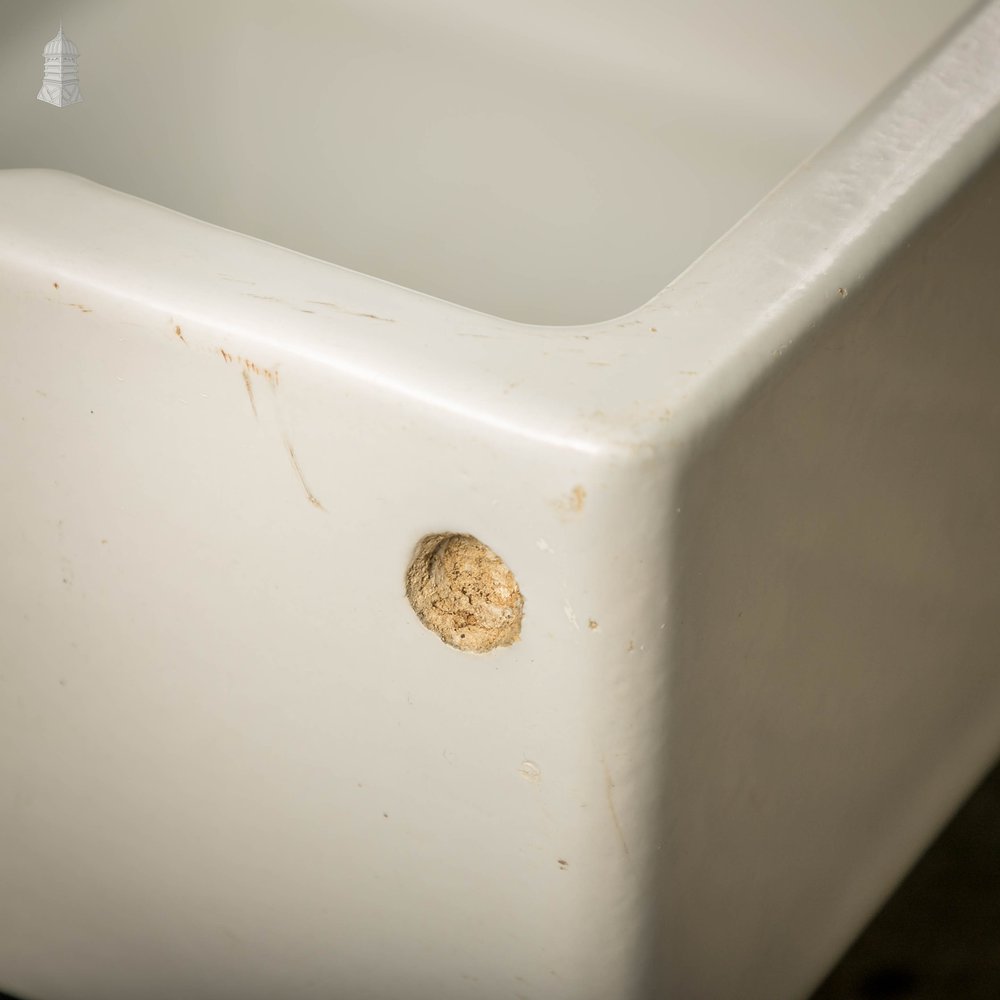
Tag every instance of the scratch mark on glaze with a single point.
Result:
(349, 312)
(249, 385)
(265, 298)
(242, 281)
(530, 771)
(179, 335)
(609, 787)
(570, 614)
(310, 496)
(76, 305)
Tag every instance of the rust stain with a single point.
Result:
(298, 472)
(609, 787)
(179, 335)
(271, 374)
(249, 385)
(249, 366)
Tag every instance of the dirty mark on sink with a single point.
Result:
(249, 386)
(310, 496)
(573, 504)
(179, 334)
(271, 374)
(609, 787)
(349, 312)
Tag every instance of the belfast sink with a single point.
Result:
(610, 617)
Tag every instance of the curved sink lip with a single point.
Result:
(619, 389)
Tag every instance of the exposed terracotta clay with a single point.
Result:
(462, 590)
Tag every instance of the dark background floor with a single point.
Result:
(938, 937)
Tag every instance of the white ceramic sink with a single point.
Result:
(733, 659)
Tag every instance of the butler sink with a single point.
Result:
(611, 616)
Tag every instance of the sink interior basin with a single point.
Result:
(548, 161)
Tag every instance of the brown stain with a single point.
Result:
(271, 374)
(310, 496)
(652, 329)
(76, 305)
(55, 284)
(574, 503)
(609, 787)
(563, 864)
(842, 292)
(592, 625)
(349, 312)
(311, 312)
(179, 335)
(249, 387)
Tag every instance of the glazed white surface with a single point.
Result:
(754, 673)
(553, 162)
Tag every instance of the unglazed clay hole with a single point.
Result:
(463, 591)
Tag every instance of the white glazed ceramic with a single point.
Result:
(753, 520)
